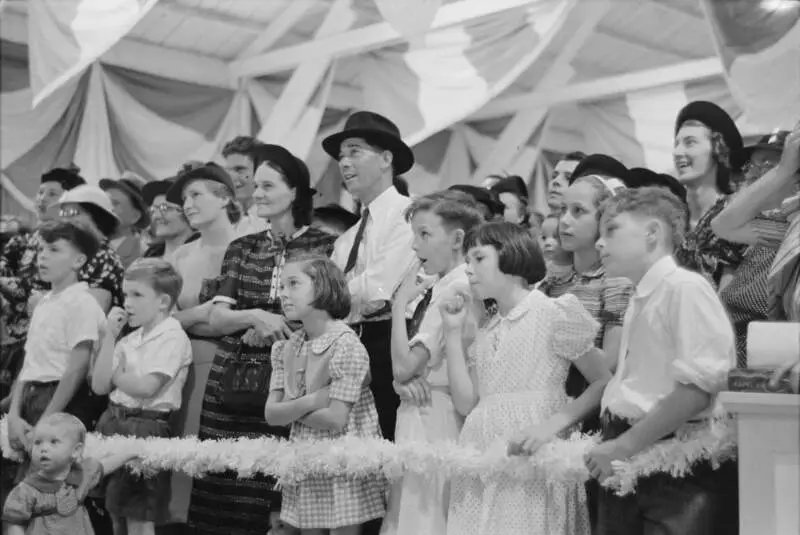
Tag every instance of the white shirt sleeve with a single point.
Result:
(705, 339)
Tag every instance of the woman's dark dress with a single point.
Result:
(221, 503)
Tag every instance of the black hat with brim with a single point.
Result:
(600, 164)
(482, 196)
(511, 184)
(641, 177)
(154, 188)
(376, 130)
(718, 120)
(773, 142)
(134, 193)
(209, 171)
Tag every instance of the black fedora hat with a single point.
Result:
(374, 129)
(600, 164)
(511, 184)
(774, 142)
(68, 177)
(133, 189)
(717, 120)
(209, 171)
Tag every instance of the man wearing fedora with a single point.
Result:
(133, 214)
(376, 253)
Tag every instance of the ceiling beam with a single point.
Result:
(277, 28)
(604, 88)
(365, 39)
(517, 132)
(656, 49)
(170, 63)
(184, 11)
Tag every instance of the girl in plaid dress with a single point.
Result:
(320, 385)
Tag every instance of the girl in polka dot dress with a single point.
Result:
(320, 385)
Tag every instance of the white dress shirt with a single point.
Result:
(165, 350)
(384, 256)
(675, 330)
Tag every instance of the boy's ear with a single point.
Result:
(654, 231)
(165, 301)
(79, 261)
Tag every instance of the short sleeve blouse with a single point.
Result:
(705, 252)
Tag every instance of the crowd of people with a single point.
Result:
(220, 303)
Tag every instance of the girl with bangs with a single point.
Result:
(510, 384)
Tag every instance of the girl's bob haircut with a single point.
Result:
(331, 292)
(519, 254)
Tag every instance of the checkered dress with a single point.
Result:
(339, 361)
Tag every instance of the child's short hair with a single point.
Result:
(80, 238)
(518, 252)
(159, 274)
(655, 202)
(456, 208)
(331, 292)
(66, 422)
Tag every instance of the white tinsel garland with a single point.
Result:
(355, 457)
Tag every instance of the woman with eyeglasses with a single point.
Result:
(169, 227)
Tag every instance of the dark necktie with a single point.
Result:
(419, 313)
(353, 256)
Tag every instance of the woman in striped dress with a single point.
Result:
(247, 310)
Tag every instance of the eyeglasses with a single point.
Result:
(763, 166)
(164, 209)
(69, 212)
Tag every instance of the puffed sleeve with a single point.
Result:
(706, 343)
(617, 292)
(573, 328)
(349, 367)
(18, 508)
(277, 378)
(228, 289)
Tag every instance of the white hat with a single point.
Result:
(89, 195)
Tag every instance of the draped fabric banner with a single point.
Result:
(66, 36)
(444, 77)
(759, 44)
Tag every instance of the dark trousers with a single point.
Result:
(377, 338)
(704, 502)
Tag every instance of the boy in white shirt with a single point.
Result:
(145, 373)
(418, 505)
(677, 347)
(63, 334)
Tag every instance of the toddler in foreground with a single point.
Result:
(49, 501)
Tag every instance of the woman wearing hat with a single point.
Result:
(247, 314)
(513, 193)
(706, 153)
(131, 210)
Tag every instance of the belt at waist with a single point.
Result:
(121, 411)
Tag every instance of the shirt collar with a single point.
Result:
(456, 272)
(657, 272)
(384, 201)
(321, 344)
(166, 325)
(51, 486)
